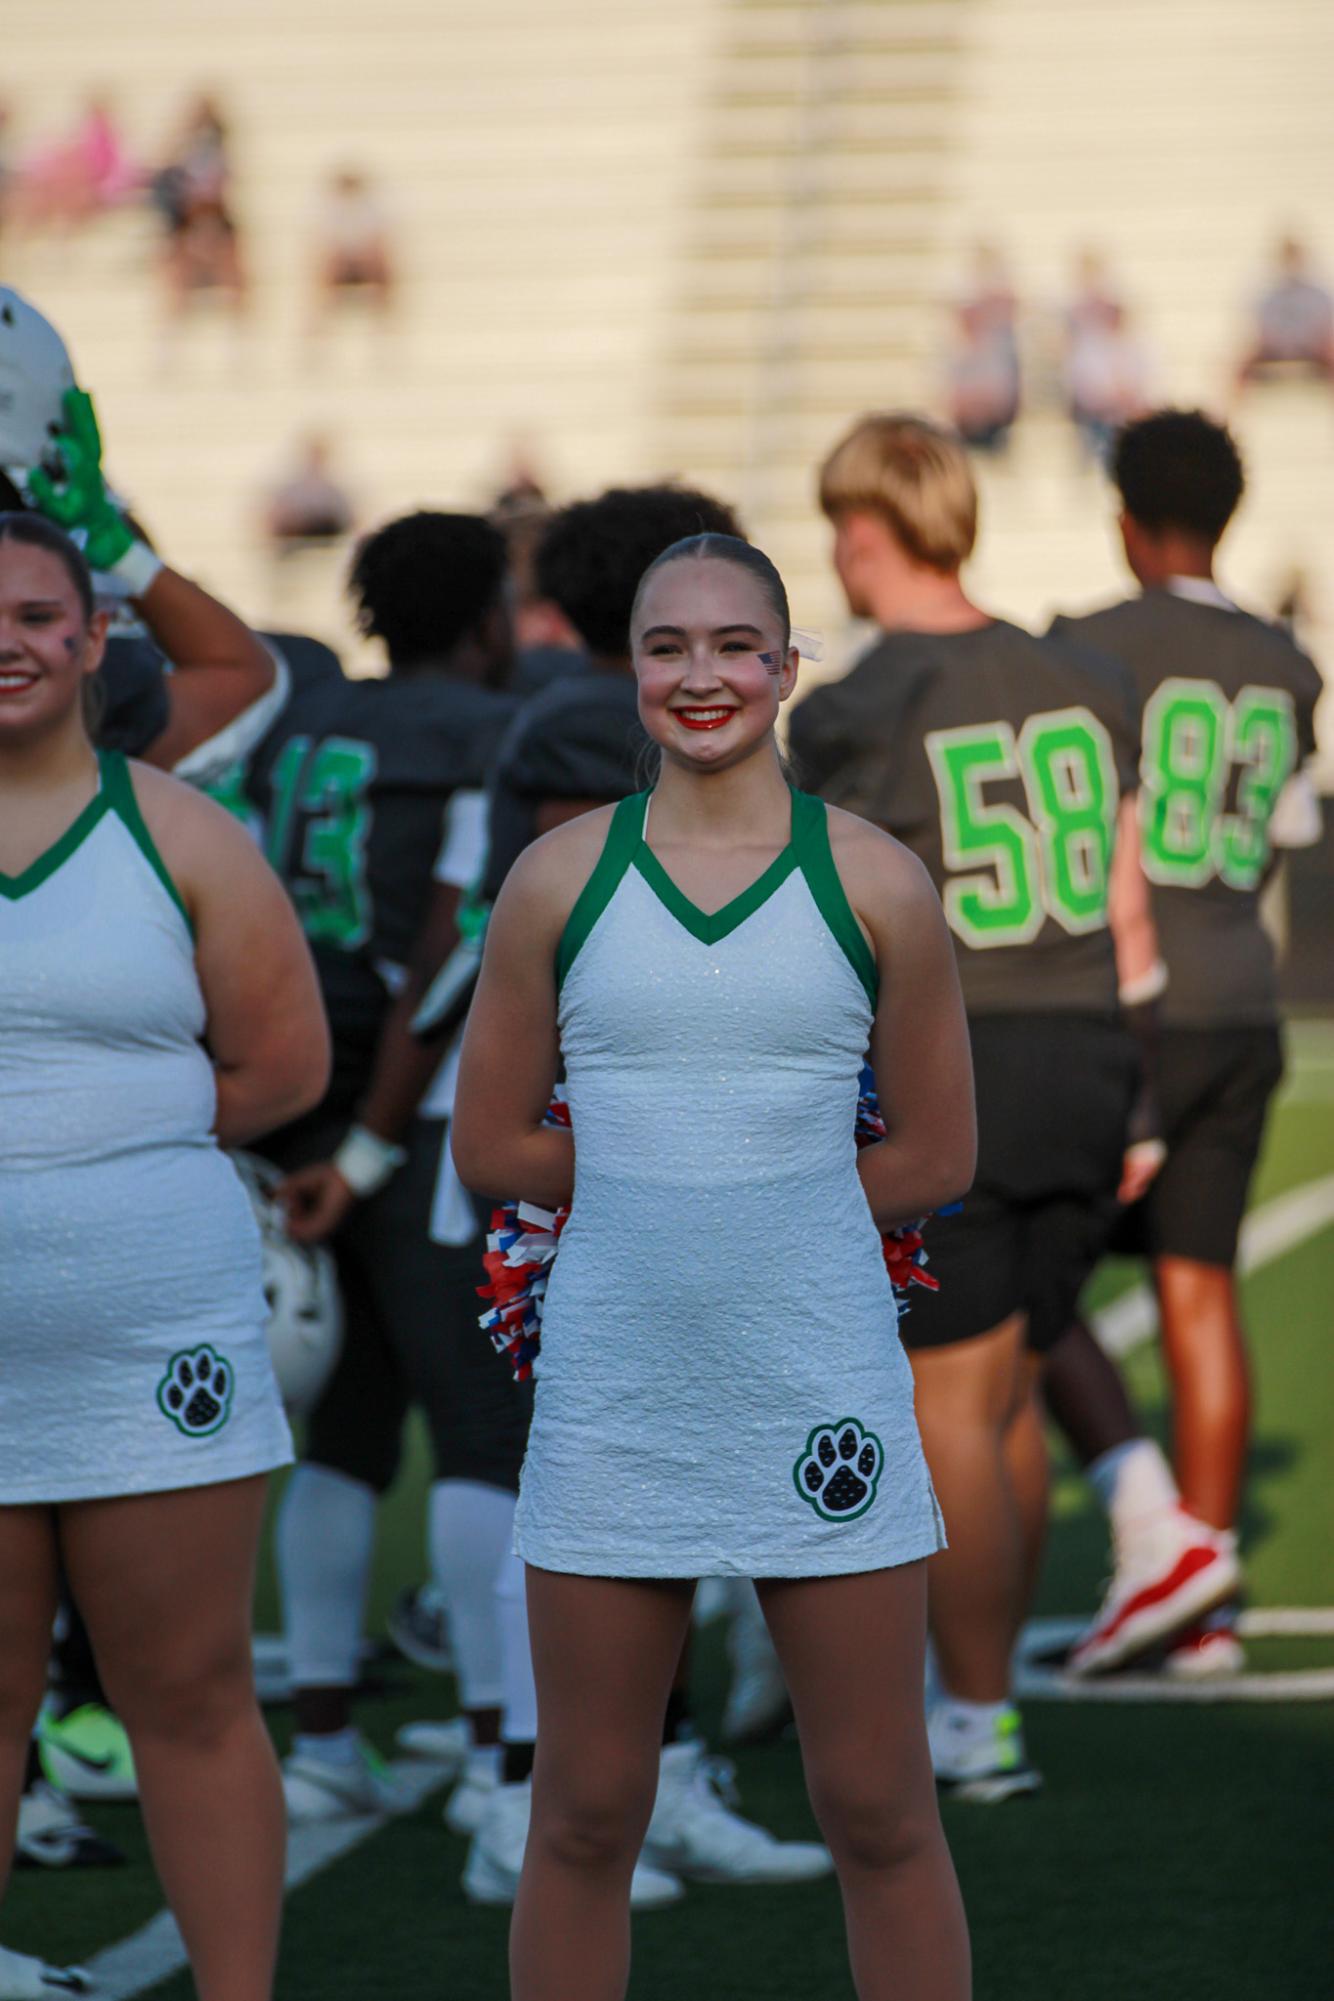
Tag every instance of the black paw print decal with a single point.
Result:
(196, 1392)
(839, 1470)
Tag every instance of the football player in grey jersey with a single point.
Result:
(1007, 762)
(1227, 704)
(348, 794)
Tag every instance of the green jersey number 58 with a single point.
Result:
(1009, 870)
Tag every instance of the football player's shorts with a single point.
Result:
(1214, 1088)
(411, 1333)
(1054, 1094)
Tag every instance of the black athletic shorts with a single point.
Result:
(1053, 1098)
(411, 1333)
(1214, 1088)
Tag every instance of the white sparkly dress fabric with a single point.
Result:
(132, 1350)
(721, 1389)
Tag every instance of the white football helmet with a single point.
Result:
(301, 1286)
(35, 372)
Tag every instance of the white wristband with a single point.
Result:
(1146, 986)
(366, 1161)
(138, 569)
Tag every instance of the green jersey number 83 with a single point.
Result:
(1194, 739)
(1010, 871)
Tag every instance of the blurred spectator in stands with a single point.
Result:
(521, 483)
(308, 508)
(1294, 608)
(6, 178)
(353, 251)
(989, 295)
(1107, 371)
(983, 368)
(63, 184)
(192, 194)
(1095, 299)
(1293, 328)
(546, 645)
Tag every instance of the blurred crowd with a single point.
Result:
(68, 180)
(1088, 355)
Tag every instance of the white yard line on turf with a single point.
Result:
(1268, 1234)
(149, 1955)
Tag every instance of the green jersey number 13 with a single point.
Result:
(316, 834)
(1010, 871)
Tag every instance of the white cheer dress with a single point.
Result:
(721, 1389)
(132, 1350)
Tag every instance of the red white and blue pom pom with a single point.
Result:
(905, 1252)
(519, 1253)
(524, 1239)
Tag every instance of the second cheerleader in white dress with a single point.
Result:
(157, 1003)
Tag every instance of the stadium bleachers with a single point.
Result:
(691, 240)
(535, 160)
(1181, 139)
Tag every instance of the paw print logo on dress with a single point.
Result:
(840, 1469)
(196, 1392)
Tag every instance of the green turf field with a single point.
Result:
(1179, 1853)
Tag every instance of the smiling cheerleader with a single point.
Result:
(158, 1003)
(721, 1389)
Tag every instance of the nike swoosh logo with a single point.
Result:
(90, 1764)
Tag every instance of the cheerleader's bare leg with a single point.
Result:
(165, 1582)
(852, 1650)
(28, 1585)
(605, 1652)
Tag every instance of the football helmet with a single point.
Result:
(35, 372)
(305, 1312)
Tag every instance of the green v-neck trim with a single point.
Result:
(810, 838)
(711, 926)
(618, 850)
(14, 886)
(808, 849)
(118, 785)
(115, 794)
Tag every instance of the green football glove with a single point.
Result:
(76, 497)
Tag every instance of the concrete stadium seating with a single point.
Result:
(692, 240)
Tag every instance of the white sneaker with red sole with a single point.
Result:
(1173, 1577)
(1206, 1650)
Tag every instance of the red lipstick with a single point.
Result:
(702, 718)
